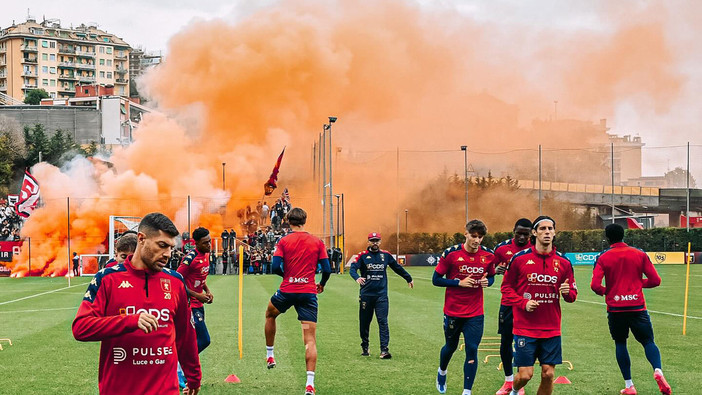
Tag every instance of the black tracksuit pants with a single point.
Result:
(368, 305)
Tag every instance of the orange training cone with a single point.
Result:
(562, 380)
(232, 379)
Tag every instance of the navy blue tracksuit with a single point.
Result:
(374, 293)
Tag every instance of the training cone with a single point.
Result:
(232, 379)
(562, 380)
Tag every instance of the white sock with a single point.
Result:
(629, 383)
(509, 378)
(514, 392)
(658, 370)
(310, 378)
(269, 351)
(467, 392)
(442, 372)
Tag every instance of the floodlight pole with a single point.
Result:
(540, 190)
(612, 166)
(687, 186)
(464, 148)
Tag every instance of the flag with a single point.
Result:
(29, 196)
(272, 182)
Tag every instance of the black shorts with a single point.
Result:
(504, 324)
(305, 304)
(639, 322)
(528, 349)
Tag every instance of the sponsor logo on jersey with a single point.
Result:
(541, 278)
(623, 298)
(125, 284)
(530, 262)
(470, 269)
(166, 285)
(527, 295)
(299, 280)
(160, 314)
(118, 354)
(375, 266)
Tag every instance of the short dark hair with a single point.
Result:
(614, 233)
(126, 243)
(199, 233)
(523, 222)
(153, 222)
(297, 217)
(476, 225)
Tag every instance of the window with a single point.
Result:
(52, 57)
(102, 49)
(102, 74)
(86, 91)
(102, 62)
(45, 82)
(44, 69)
(44, 56)
(52, 95)
(52, 82)
(52, 70)
(109, 49)
(52, 44)
(109, 75)
(44, 44)
(106, 39)
(109, 62)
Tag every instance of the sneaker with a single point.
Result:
(270, 362)
(505, 389)
(309, 390)
(365, 353)
(440, 383)
(628, 391)
(385, 355)
(662, 384)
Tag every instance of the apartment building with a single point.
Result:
(45, 55)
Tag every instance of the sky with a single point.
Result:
(541, 26)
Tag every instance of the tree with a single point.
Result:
(677, 178)
(34, 96)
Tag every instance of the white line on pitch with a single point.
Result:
(40, 294)
(39, 310)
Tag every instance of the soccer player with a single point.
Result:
(504, 253)
(76, 262)
(194, 268)
(464, 269)
(295, 259)
(373, 264)
(534, 282)
(139, 311)
(124, 246)
(623, 268)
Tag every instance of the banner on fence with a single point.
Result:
(582, 258)
(8, 249)
(667, 258)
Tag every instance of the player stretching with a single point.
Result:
(504, 253)
(295, 259)
(534, 282)
(468, 268)
(622, 268)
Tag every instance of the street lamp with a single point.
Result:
(331, 189)
(464, 148)
(224, 177)
(406, 225)
(338, 219)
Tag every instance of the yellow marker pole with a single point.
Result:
(241, 302)
(687, 287)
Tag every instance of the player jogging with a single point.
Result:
(504, 253)
(295, 259)
(534, 283)
(373, 264)
(139, 311)
(464, 269)
(623, 268)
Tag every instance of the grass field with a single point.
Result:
(45, 359)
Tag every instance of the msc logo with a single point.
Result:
(161, 315)
(471, 269)
(299, 280)
(119, 354)
(375, 266)
(624, 298)
(541, 278)
(125, 284)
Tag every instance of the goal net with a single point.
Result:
(119, 225)
(91, 263)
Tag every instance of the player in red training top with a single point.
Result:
(464, 270)
(623, 268)
(124, 247)
(534, 282)
(139, 311)
(295, 259)
(504, 253)
(194, 268)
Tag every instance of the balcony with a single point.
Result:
(121, 57)
(121, 81)
(86, 66)
(67, 90)
(69, 77)
(29, 86)
(85, 54)
(29, 60)
(121, 71)
(29, 48)
(67, 50)
(3, 49)
(29, 74)
(67, 65)
(86, 79)
(3, 74)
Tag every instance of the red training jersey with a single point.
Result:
(504, 252)
(456, 264)
(300, 252)
(532, 276)
(622, 268)
(194, 268)
(131, 361)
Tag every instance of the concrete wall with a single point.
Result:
(84, 124)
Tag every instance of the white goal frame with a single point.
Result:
(127, 222)
(81, 272)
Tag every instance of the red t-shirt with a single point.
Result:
(505, 251)
(623, 268)
(300, 252)
(194, 268)
(533, 276)
(456, 264)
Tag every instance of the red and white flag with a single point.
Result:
(29, 196)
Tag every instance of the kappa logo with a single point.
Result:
(125, 284)
(510, 253)
(119, 354)
(460, 259)
(530, 262)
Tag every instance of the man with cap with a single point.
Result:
(534, 283)
(623, 269)
(373, 298)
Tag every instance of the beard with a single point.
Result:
(374, 248)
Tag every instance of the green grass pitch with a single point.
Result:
(45, 359)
